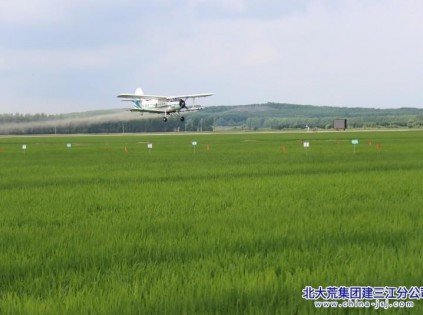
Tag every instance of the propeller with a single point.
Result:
(182, 104)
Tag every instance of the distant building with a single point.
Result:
(339, 124)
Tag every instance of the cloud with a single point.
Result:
(248, 9)
(27, 12)
(47, 59)
(57, 12)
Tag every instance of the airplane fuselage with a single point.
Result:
(172, 105)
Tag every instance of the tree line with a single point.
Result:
(272, 116)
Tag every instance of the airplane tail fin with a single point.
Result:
(137, 104)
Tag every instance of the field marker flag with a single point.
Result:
(69, 145)
(149, 147)
(194, 144)
(24, 148)
(306, 145)
(354, 143)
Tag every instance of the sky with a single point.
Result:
(59, 56)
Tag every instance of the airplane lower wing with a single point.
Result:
(143, 110)
(192, 109)
(167, 110)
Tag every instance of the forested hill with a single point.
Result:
(281, 116)
(253, 117)
(294, 110)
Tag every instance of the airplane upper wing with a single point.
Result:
(160, 97)
(189, 96)
(142, 97)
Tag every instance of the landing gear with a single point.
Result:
(182, 118)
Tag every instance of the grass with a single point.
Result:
(240, 228)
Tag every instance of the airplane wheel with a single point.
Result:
(182, 118)
(164, 119)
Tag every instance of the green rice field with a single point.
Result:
(239, 224)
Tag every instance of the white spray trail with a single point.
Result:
(119, 116)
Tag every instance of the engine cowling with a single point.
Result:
(182, 104)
